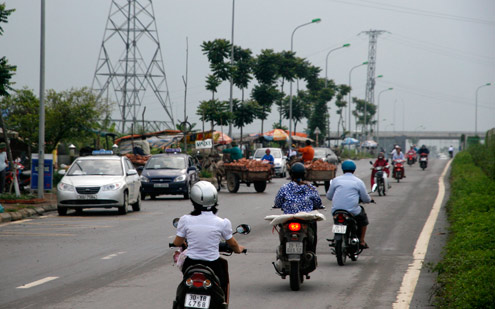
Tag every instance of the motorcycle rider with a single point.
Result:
(451, 151)
(399, 155)
(299, 196)
(422, 150)
(380, 161)
(412, 152)
(345, 193)
(203, 230)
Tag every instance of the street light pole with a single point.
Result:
(326, 61)
(476, 109)
(350, 98)
(378, 115)
(41, 134)
(232, 65)
(316, 20)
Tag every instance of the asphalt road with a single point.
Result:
(103, 260)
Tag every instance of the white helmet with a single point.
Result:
(204, 193)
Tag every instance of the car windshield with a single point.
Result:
(96, 167)
(277, 154)
(176, 163)
(320, 153)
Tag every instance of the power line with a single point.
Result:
(411, 11)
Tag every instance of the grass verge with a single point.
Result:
(466, 275)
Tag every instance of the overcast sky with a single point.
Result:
(435, 54)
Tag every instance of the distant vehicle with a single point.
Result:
(99, 181)
(280, 161)
(326, 154)
(168, 173)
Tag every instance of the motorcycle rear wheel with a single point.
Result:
(340, 253)
(381, 189)
(295, 276)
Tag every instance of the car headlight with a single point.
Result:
(111, 187)
(144, 179)
(180, 178)
(65, 187)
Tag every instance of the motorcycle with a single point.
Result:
(23, 178)
(423, 161)
(379, 179)
(200, 287)
(296, 254)
(398, 172)
(411, 158)
(345, 242)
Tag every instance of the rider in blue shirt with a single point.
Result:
(268, 157)
(345, 192)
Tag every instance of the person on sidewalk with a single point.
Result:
(3, 166)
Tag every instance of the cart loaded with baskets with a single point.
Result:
(320, 172)
(248, 172)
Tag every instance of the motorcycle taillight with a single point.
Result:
(294, 226)
(340, 218)
(198, 280)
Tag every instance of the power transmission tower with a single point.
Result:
(130, 61)
(370, 81)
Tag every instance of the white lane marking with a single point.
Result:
(111, 256)
(35, 283)
(411, 277)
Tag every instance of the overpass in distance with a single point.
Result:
(451, 135)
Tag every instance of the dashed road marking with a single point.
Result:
(36, 283)
(111, 256)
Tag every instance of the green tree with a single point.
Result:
(218, 52)
(6, 70)
(214, 111)
(72, 115)
(301, 108)
(265, 95)
(358, 113)
(245, 112)
(342, 91)
(22, 108)
(243, 68)
(212, 83)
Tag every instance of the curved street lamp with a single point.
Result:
(316, 20)
(326, 61)
(476, 109)
(350, 98)
(378, 115)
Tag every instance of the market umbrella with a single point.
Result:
(350, 141)
(221, 138)
(276, 135)
(369, 143)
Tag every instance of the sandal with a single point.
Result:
(365, 246)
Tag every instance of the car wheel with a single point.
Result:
(143, 196)
(62, 211)
(188, 190)
(153, 196)
(137, 205)
(79, 211)
(123, 208)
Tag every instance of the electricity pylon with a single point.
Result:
(370, 81)
(131, 33)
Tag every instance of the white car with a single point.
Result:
(99, 181)
(279, 159)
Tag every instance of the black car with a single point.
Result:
(168, 173)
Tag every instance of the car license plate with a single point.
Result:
(294, 247)
(86, 197)
(339, 229)
(197, 301)
(161, 185)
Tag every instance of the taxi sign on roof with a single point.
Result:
(173, 150)
(102, 152)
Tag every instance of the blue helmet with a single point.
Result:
(348, 165)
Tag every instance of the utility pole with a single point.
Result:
(370, 81)
(124, 69)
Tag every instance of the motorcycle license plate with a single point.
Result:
(423, 159)
(294, 247)
(197, 301)
(339, 229)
